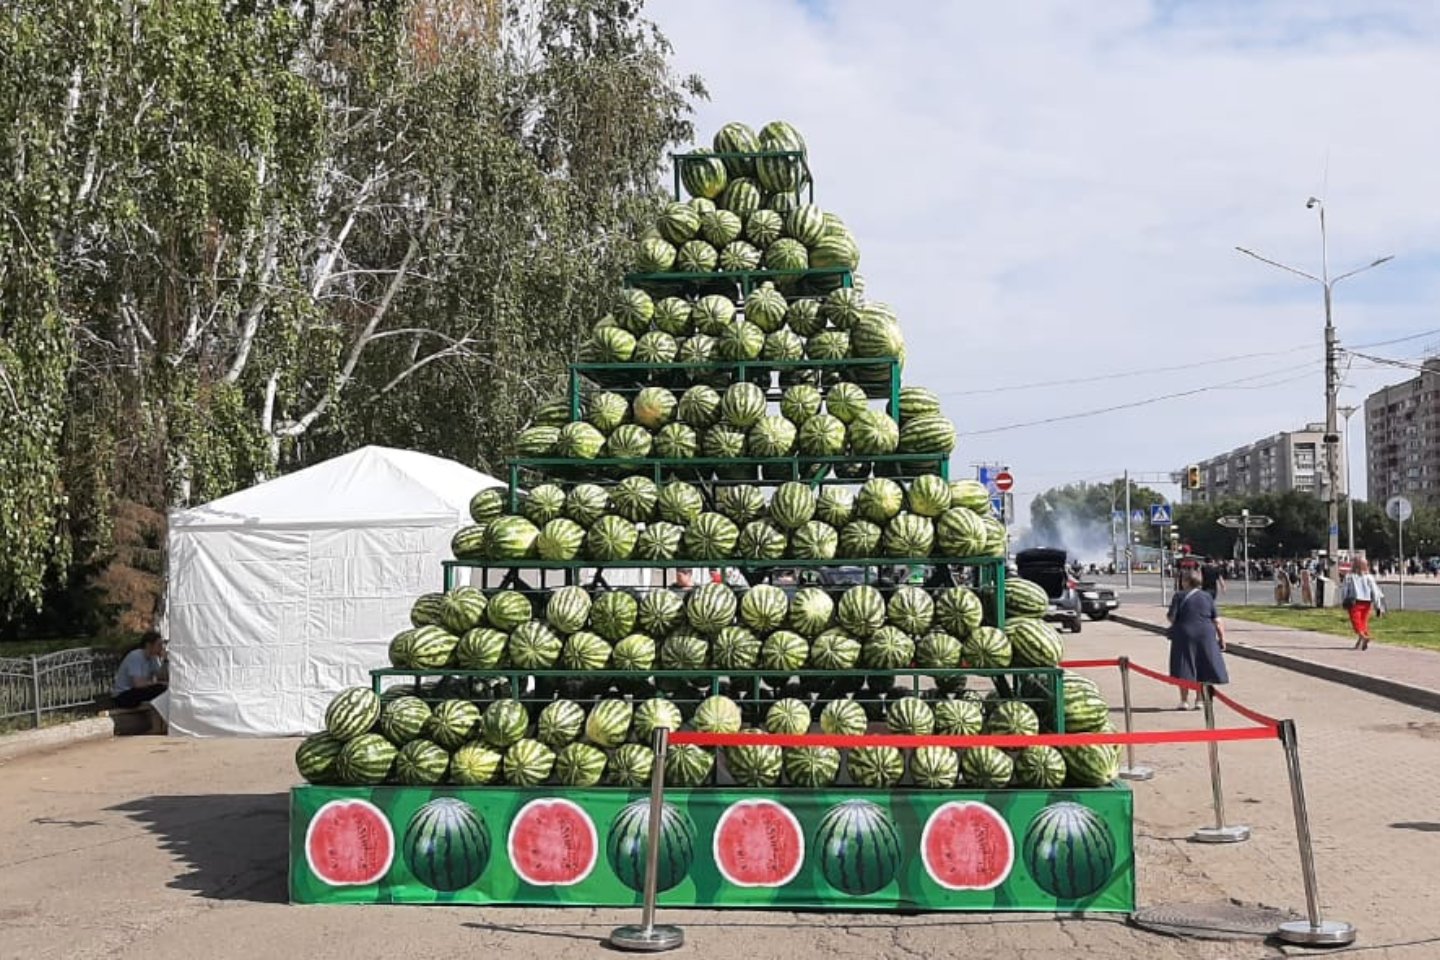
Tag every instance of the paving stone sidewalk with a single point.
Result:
(1400, 673)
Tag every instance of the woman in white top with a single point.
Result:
(1361, 596)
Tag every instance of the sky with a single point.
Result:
(1053, 191)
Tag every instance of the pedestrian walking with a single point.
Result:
(1360, 596)
(1212, 579)
(1197, 637)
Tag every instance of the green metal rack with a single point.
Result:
(623, 377)
(742, 280)
(807, 181)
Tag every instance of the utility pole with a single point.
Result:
(1129, 538)
(1332, 367)
(1347, 413)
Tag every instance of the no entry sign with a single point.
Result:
(1004, 481)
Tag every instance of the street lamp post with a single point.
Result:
(1347, 413)
(1332, 370)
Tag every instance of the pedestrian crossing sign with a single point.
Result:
(1160, 515)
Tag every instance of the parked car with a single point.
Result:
(1048, 567)
(1096, 599)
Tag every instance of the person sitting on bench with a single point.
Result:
(141, 677)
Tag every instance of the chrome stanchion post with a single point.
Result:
(1220, 833)
(647, 937)
(1311, 931)
(1130, 771)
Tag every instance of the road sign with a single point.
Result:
(1160, 515)
(1236, 522)
(1117, 516)
(997, 507)
(1137, 516)
(1003, 481)
(1399, 509)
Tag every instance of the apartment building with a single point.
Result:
(1294, 460)
(1402, 439)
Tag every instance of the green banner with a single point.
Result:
(1058, 850)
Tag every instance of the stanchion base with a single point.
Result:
(638, 939)
(1136, 773)
(1328, 933)
(1234, 833)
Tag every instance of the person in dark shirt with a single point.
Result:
(1212, 579)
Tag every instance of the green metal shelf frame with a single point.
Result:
(740, 370)
(807, 180)
(714, 676)
(746, 279)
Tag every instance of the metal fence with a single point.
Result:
(69, 679)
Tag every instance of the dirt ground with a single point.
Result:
(161, 848)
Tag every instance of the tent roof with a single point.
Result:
(372, 485)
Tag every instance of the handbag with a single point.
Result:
(1170, 630)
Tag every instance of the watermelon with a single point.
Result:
(577, 441)
(786, 254)
(814, 540)
(561, 539)
(844, 718)
(464, 608)
(559, 723)
(428, 610)
(365, 760)
(534, 646)
(763, 607)
(607, 345)
(835, 250)
(474, 765)
(316, 755)
(1069, 851)
(659, 611)
(629, 442)
(711, 313)
(696, 256)
(687, 765)
(1040, 768)
(399, 650)
(404, 719)
(678, 222)
(961, 532)
(653, 407)
(858, 847)
(876, 768)
(772, 436)
(967, 845)
(742, 406)
(679, 502)
(811, 609)
(349, 843)
(861, 610)
(446, 844)
(828, 345)
(613, 614)
(834, 649)
(658, 541)
(911, 609)
(541, 505)
(879, 500)
(970, 494)
(1025, 598)
(938, 650)
(986, 768)
(764, 227)
(609, 723)
(672, 316)
(788, 716)
(633, 653)
(452, 723)
(579, 765)
(727, 443)
(628, 844)
(697, 349)
(650, 715)
(908, 535)
(800, 403)
(421, 763)
(822, 435)
(508, 609)
(634, 498)
(513, 538)
(1034, 643)
(684, 650)
(611, 538)
(699, 407)
(739, 255)
(540, 441)
(528, 763)
(959, 717)
(792, 505)
(811, 766)
(910, 716)
(568, 609)
(928, 496)
(741, 503)
(737, 138)
(742, 197)
(469, 542)
(431, 648)
(935, 768)
(806, 223)
(1012, 717)
(552, 842)
(710, 607)
(873, 433)
(835, 505)
(702, 174)
(927, 434)
(504, 723)
(481, 649)
(804, 318)
(735, 648)
(996, 537)
(759, 843)
(780, 174)
(765, 307)
(655, 256)
(487, 505)
(710, 537)
(889, 648)
(632, 310)
(987, 648)
(352, 713)
(583, 650)
(784, 650)
(761, 540)
(720, 228)
(843, 307)
(754, 765)
(1091, 766)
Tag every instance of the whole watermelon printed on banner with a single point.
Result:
(734, 516)
(831, 849)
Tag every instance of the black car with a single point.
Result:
(1048, 568)
(1096, 599)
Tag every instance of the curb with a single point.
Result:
(52, 738)
(1390, 689)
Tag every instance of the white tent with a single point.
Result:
(280, 595)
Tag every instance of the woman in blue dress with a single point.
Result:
(1197, 637)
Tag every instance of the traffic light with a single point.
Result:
(1192, 477)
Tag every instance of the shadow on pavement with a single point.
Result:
(1420, 825)
(229, 846)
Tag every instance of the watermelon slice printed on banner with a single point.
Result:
(759, 843)
(967, 846)
(553, 843)
(349, 843)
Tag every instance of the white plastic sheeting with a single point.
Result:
(280, 595)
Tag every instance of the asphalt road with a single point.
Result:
(1422, 594)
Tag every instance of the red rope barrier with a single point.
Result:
(1164, 678)
(1246, 712)
(1004, 741)
(1088, 664)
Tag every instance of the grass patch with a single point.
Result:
(1403, 628)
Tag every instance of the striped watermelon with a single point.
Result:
(987, 648)
(679, 502)
(698, 348)
(736, 138)
(821, 436)
(579, 765)
(986, 768)
(481, 649)
(1069, 851)
(860, 539)
(584, 650)
(421, 763)
(632, 309)
(720, 228)
(1040, 768)
(513, 538)
(779, 174)
(910, 716)
(528, 763)
(1093, 766)
(399, 651)
(879, 500)
(858, 847)
(754, 765)
(803, 317)
(835, 505)
(650, 715)
(659, 612)
(634, 498)
(541, 505)
(806, 223)
(696, 256)
(609, 723)
(633, 653)
(710, 537)
(1034, 643)
(918, 402)
(764, 227)
(928, 496)
(684, 650)
(834, 649)
(765, 307)
(835, 250)
(352, 712)
(970, 494)
(935, 768)
(504, 723)
(488, 504)
(672, 316)
(676, 441)
(741, 502)
(961, 532)
(1025, 598)
(811, 766)
(577, 441)
(792, 505)
(764, 607)
(843, 308)
(761, 540)
(735, 648)
(447, 844)
(801, 402)
(828, 345)
(613, 614)
(658, 541)
(628, 845)
(789, 716)
(844, 718)
(742, 197)
(908, 535)
(540, 441)
(474, 765)
(699, 407)
(786, 254)
(687, 765)
(845, 402)
(452, 723)
(678, 222)
(889, 648)
(463, 609)
(315, 757)
(742, 406)
(630, 766)
(561, 539)
(712, 312)
(403, 719)
(927, 434)
(428, 610)
(365, 760)
(534, 646)
(1012, 717)
(814, 540)
(772, 436)
(873, 433)
(508, 609)
(959, 717)
(784, 650)
(876, 768)
(469, 542)
(784, 345)
(810, 611)
(861, 611)
(431, 648)
(911, 609)
(559, 723)
(611, 538)
(653, 407)
(629, 442)
(710, 607)
(703, 175)
(938, 650)
(605, 411)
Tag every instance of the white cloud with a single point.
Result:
(1048, 190)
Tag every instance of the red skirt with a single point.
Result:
(1360, 617)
